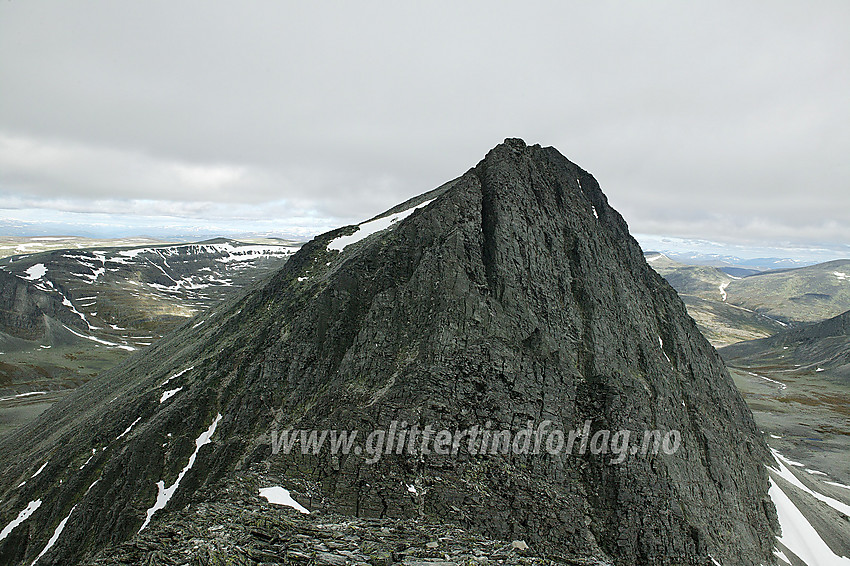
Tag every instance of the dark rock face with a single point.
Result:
(24, 309)
(516, 294)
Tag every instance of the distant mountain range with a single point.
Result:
(67, 314)
(728, 261)
(730, 308)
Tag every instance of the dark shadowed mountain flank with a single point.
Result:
(511, 294)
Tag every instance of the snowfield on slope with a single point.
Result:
(798, 534)
(164, 494)
(280, 496)
(366, 229)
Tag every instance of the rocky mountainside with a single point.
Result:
(513, 294)
(27, 310)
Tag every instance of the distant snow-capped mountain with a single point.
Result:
(84, 309)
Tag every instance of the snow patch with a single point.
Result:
(779, 383)
(723, 290)
(176, 375)
(41, 469)
(280, 496)
(661, 343)
(798, 535)
(99, 341)
(781, 555)
(786, 474)
(169, 394)
(22, 516)
(35, 272)
(30, 394)
(129, 428)
(86, 463)
(165, 493)
(55, 537)
(373, 226)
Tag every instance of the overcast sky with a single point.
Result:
(724, 121)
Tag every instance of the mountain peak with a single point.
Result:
(510, 297)
(515, 143)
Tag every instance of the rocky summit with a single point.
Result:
(510, 297)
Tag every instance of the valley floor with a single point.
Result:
(806, 421)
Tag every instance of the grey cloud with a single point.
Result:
(720, 120)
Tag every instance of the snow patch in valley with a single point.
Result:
(99, 341)
(786, 474)
(779, 383)
(22, 516)
(164, 494)
(798, 535)
(280, 496)
(30, 394)
(723, 290)
(366, 229)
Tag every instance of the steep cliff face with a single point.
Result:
(511, 294)
(25, 309)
